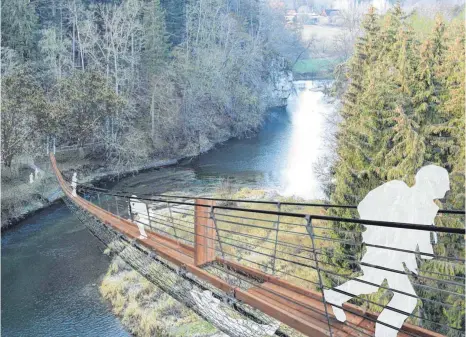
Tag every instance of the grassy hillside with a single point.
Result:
(317, 67)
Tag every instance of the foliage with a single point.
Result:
(82, 107)
(173, 77)
(23, 102)
(19, 26)
(403, 108)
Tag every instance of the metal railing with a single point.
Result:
(297, 248)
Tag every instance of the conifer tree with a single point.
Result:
(432, 59)
(353, 175)
(19, 26)
(446, 132)
(402, 110)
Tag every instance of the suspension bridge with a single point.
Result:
(251, 268)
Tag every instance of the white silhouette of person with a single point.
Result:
(137, 208)
(396, 202)
(74, 183)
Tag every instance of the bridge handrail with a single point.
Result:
(389, 224)
(253, 201)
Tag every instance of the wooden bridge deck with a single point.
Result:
(299, 308)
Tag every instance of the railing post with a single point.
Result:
(116, 204)
(277, 228)
(212, 217)
(310, 231)
(204, 234)
(148, 216)
(107, 198)
(171, 218)
(130, 211)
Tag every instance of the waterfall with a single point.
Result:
(307, 109)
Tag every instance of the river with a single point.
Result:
(51, 270)
(279, 157)
(52, 266)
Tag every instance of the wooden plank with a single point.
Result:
(311, 307)
(204, 233)
(283, 314)
(187, 248)
(364, 323)
(308, 301)
(317, 318)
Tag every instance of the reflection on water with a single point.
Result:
(281, 156)
(307, 110)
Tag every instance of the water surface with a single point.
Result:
(281, 156)
(51, 269)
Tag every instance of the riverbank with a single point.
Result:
(145, 310)
(21, 199)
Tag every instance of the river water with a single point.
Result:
(51, 270)
(52, 266)
(279, 157)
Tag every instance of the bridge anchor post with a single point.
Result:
(204, 233)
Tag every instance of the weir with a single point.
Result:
(248, 267)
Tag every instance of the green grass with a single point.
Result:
(145, 310)
(315, 66)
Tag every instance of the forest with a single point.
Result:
(138, 79)
(402, 107)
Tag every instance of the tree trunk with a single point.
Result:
(8, 159)
(152, 112)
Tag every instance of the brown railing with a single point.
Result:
(268, 262)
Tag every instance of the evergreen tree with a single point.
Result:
(155, 39)
(401, 112)
(175, 17)
(354, 175)
(23, 101)
(79, 113)
(447, 147)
